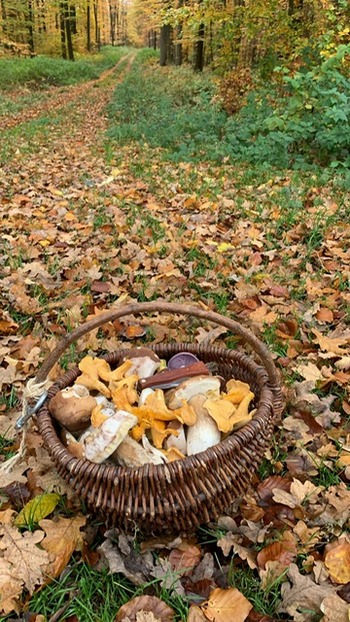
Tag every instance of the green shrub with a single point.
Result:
(315, 119)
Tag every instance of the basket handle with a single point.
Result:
(161, 307)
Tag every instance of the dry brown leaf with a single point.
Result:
(299, 493)
(302, 595)
(283, 551)
(229, 541)
(335, 609)
(331, 344)
(309, 371)
(195, 614)
(24, 561)
(158, 607)
(63, 536)
(184, 558)
(337, 562)
(136, 570)
(226, 606)
(11, 588)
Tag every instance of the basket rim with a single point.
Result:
(236, 440)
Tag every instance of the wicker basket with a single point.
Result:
(180, 495)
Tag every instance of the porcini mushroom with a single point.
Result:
(204, 433)
(101, 442)
(177, 440)
(199, 385)
(132, 454)
(72, 407)
(144, 362)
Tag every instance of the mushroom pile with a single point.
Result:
(147, 410)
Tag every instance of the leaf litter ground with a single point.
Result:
(87, 224)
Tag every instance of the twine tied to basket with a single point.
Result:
(33, 390)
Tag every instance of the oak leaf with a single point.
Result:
(331, 344)
(335, 609)
(337, 562)
(302, 595)
(26, 560)
(227, 605)
(10, 588)
(299, 493)
(63, 536)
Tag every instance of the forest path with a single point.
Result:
(55, 98)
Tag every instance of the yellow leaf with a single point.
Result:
(227, 605)
(63, 536)
(224, 246)
(337, 562)
(44, 243)
(36, 509)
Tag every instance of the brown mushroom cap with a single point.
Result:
(71, 410)
(134, 353)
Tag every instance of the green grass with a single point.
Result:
(42, 71)
(96, 596)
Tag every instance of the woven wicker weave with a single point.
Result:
(186, 493)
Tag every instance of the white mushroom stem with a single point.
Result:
(132, 454)
(178, 441)
(204, 433)
(156, 453)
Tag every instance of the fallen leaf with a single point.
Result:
(158, 607)
(331, 344)
(195, 614)
(335, 609)
(284, 551)
(226, 606)
(36, 509)
(302, 595)
(184, 558)
(337, 562)
(11, 588)
(63, 536)
(23, 555)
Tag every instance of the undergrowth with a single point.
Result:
(300, 120)
(42, 71)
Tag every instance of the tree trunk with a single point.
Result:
(199, 50)
(88, 26)
(165, 45)
(113, 21)
(97, 29)
(3, 16)
(70, 50)
(178, 44)
(63, 31)
(30, 26)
